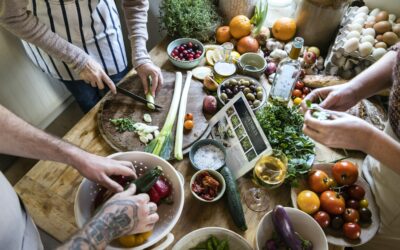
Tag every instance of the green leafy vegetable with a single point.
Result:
(123, 124)
(283, 128)
(189, 18)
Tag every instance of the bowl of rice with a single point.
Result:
(207, 154)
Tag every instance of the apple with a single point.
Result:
(310, 57)
(315, 50)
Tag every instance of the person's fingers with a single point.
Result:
(312, 122)
(93, 83)
(154, 84)
(100, 84)
(152, 207)
(145, 198)
(148, 227)
(313, 96)
(111, 185)
(329, 102)
(121, 170)
(153, 218)
(144, 83)
(160, 82)
(311, 133)
(131, 190)
(106, 79)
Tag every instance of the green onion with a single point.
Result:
(181, 117)
(260, 16)
(162, 144)
(149, 96)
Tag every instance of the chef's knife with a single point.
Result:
(135, 97)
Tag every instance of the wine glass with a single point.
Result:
(268, 173)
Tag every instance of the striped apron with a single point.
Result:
(92, 25)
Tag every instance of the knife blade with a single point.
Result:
(135, 97)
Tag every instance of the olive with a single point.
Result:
(246, 91)
(246, 83)
(224, 97)
(259, 88)
(365, 215)
(223, 87)
(260, 95)
(250, 97)
(252, 87)
(235, 90)
(241, 82)
(233, 82)
(250, 103)
(229, 93)
(256, 103)
(241, 87)
(337, 222)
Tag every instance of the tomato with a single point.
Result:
(332, 202)
(297, 93)
(337, 222)
(188, 124)
(351, 215)
(306, 90)
(345, 173)
(356, 192)
(297, 101)
(352, 230)
(308, 201)
(189, 116)
(318, 181)
(352, 204)
(299, 85)
(365, 215)
(322, 218)
(364, 203)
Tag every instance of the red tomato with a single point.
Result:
(351, 215)
(299, 85)
(297, 93)
(319, 181)
(352, 230)
(322, 218)
(352, 204)
(332, 202)
(356, 192)
(306, 90)
(345, 173)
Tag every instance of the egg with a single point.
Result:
(382, 27)
(374, 12)
(355, 26)
(398, 20)
(381, 45)
(351, 45)
(352, 34)
(396, 29)
(363, 9)
(379, 38)
(365, 49)
(392, 18)
(360, 21)
(371, 19)
(368, 32)
(361, 15)
(382, 16)
(358, 70)
(369, 24)
(390, 38)
(368, 39)
(378, 53)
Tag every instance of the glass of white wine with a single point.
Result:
(268, 173)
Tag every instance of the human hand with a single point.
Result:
(93, 74)
(340, 131)
(339, 97)
(149, 69)
(99, 169)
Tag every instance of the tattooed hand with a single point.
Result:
(125, 213)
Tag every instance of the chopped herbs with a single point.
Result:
(283, 128)
(123, 124)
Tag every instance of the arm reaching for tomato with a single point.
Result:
(349, 132)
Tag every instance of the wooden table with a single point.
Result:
(48, 189)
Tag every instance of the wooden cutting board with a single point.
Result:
(119, 105)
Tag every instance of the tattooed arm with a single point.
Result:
(125, 213)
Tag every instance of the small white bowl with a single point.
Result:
(303, 224)
(217, 176)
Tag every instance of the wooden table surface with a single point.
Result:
(48, 189)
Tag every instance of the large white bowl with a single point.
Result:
(235, 241)
(169, 214)
(303, 224)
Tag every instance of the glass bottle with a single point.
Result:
(224, 67)
(287, 74)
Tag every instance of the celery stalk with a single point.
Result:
(181, 116)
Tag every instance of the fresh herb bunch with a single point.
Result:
(283, 128)
(189, 18)
(123, 124)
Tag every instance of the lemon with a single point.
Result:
(235, 56)
(210, 57)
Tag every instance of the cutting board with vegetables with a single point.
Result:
(121, 106)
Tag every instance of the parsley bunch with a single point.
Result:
(283, 128)
(189, 18)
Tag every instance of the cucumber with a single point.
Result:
(147, 180)
(233, 199)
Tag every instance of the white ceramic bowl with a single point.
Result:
(303, 224)
(169, 214)
(235, 241)
(214, 174)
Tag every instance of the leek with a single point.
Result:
(260, 16)
(162, 144)
(149, 96)
(181, 117)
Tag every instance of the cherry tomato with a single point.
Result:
(306, 90)
(345, 173)
(352, 230)
(352, 204)
(322, 218)
(297, 101)
(332, 202)
(189, 116)
(351, 215)
(365, 215)
(299, 85)
(364, 203)
(297, 93)
(337, 222)
(188, 125)
(318, 181)
(308, 201)
(356, 192)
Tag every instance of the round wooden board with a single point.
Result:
(119, 105)
(336, 237)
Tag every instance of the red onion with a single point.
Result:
(271, 68)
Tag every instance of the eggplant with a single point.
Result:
(283, 226)
(271, 245)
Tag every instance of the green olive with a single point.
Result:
(256, 103)
(259, 88)
(246, 83)
(246, 91)
(224, 97)
(250, 97)
(260, 95)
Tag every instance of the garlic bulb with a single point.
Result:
(278, 53)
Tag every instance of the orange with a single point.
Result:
(223, 34)
(284, 29)
(247, 44)
(240, 26)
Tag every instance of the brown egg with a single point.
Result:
(396, 29)
(398, 20)
(390, 38)
(382, 16)
(382, 27)
(381, 45)
(369, 24)
(379, 38)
